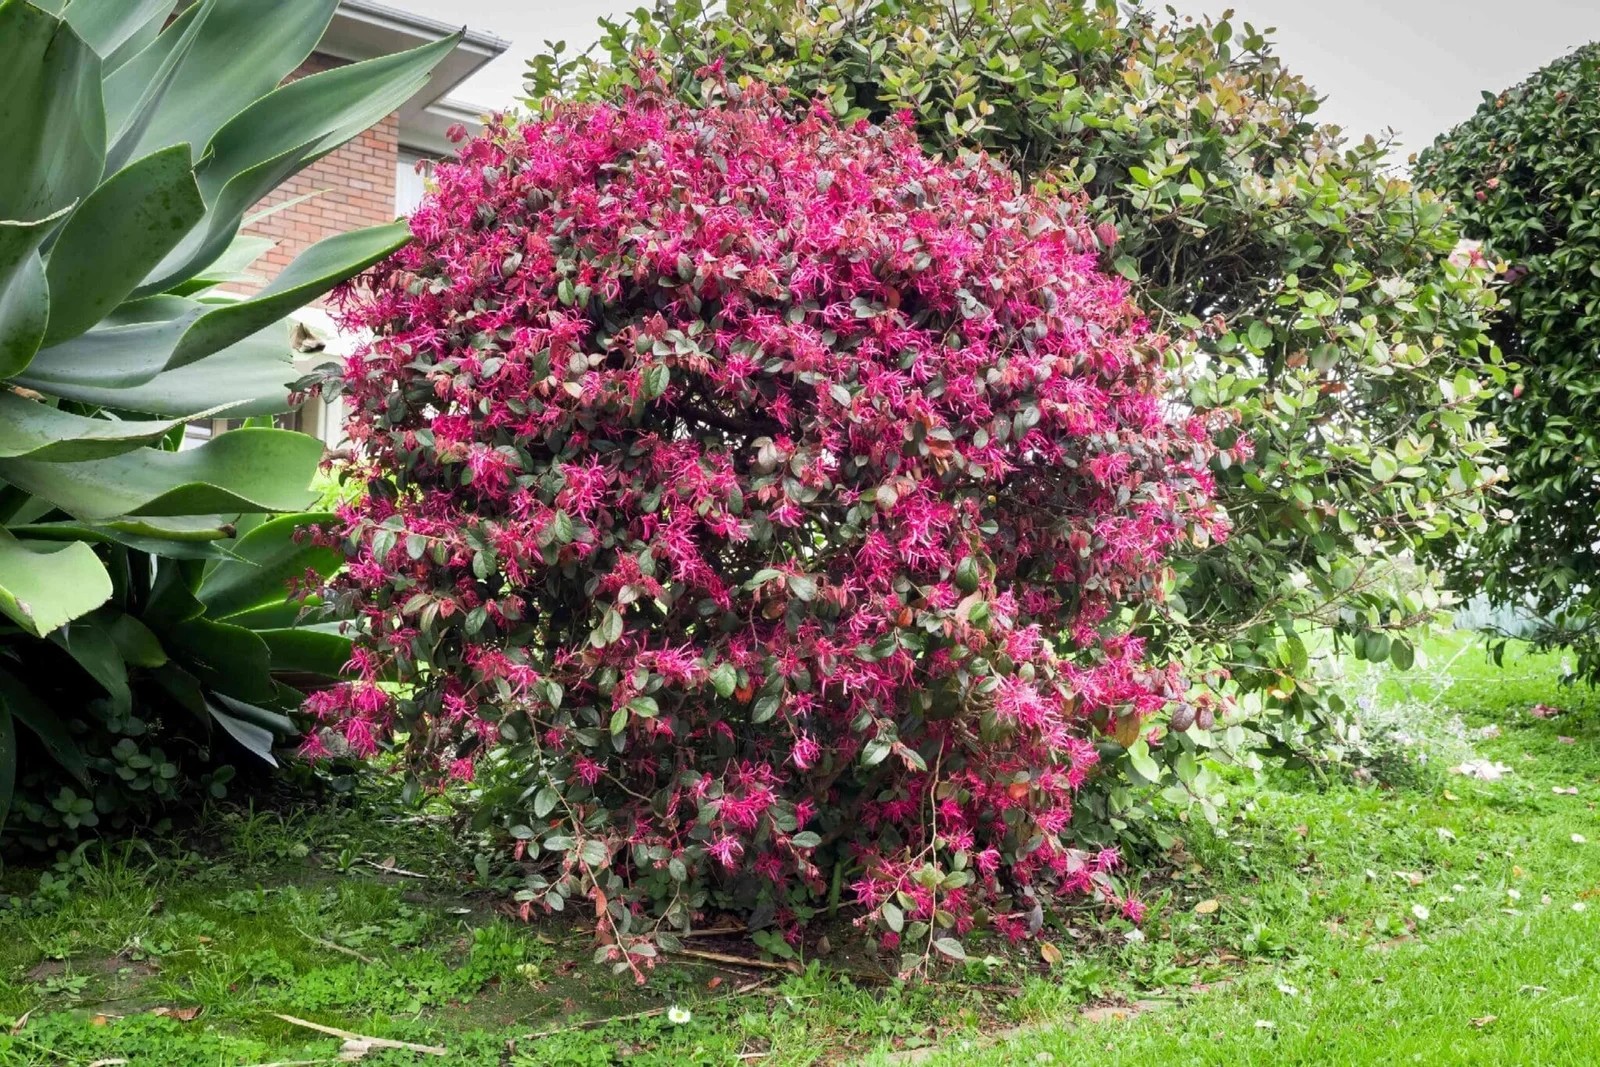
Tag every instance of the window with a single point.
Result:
(409, 185)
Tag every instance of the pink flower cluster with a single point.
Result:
(766, 496)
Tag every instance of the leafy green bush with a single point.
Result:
(146, 594)
(1523, 171)
(1318, 286)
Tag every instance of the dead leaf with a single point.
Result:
(1207, 906)
(1517, 871)
(1484, 1020)
(1126, 730)
(714, 982)
(1450, 796)
(1411, 877)
(16, 1027)
(115, 1062)
(1568, 791)
(100, 1020)
(1565, 740)
(183, 1015)
(1544, 711)
(1050, 953)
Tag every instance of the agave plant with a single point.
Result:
(141, 581)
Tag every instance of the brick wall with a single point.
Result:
(355, 186)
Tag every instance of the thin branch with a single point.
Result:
(739, 961)
(335, 947)
(360, 1043)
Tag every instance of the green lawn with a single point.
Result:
(1449, 921)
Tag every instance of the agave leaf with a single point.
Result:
(137, 643)
(184, 690)
(117, 236)
(251, 378)
(267, 719)
(255, 218)
(106, 25)
(241, 53)
(134, 99)
(137, 42)
(32, 430)
(163, 333)
(129, 347)
(284, 132)
(233, 265)
(287, 615)
(266, 559)
(8, 762)
(246, 470)
(172, 539)
(307, 650)
(194, 529)
(89, 642)
(315, 271)
(52, 123)
(258, 740)
(132, 347)
(25, 708)
(24, 293)
(171, 601)
(44, 586)
(227, 659)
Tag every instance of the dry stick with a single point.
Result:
(738, 961)
(370, 1042)
(715, 931)
(394, 870)
(335, 947)
(590, 1024)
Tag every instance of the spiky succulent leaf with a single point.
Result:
(137, 145)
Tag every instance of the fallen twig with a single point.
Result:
(358, 1044)
(740, 961)
(401, 871)
(335, 947)
(715, 931)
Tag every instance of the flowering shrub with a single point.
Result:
(773, 492)
(1320, 285)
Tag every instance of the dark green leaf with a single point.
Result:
(117, 236)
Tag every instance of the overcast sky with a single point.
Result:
(1415, 65)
